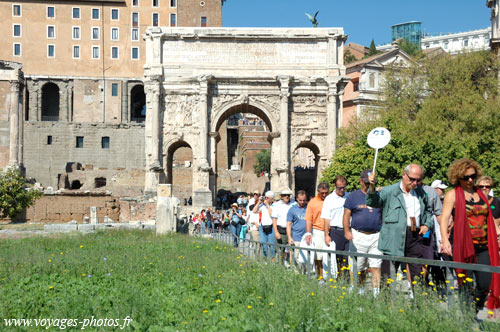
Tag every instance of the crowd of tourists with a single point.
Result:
(405, 219)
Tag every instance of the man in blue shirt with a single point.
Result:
(295, 221)
(362, 226)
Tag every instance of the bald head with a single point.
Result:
(411, 175)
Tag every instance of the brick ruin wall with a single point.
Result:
(122, 164)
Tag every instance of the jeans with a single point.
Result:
(270, 238)
(236, 233)
(203, 231)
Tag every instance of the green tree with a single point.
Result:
(263, 163)
(349, 57)
(410, 48)
(373, 49)
(14, 197)
(437, 110)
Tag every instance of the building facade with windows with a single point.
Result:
(453, 43)
(364, 89)
(82, 101)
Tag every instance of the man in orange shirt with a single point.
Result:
(315, 226)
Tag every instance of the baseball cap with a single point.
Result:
(269, 194)
(365, 174)
(234, 204)
(438, 184)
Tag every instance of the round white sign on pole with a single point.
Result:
(378, 138)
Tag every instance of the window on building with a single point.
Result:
(135, 34)
(372, 80)
(446, 45)
(17, 49)
(114, 34)
(105, 142)
(155, 3)
(76, 52)
(135, 3)
(16, 30)
(95, 33)
(76, 32)
(114, 52)
(51, 32)
(95, 52)
(76, 13)
(49, 140)
(135, 20)
(114, 14)
(114, 89)
(135, 53)
(51, 51)
(355, 85)
(173, 3)
(172, 20)
(79, 142)
(155, 19)
(51, 12)
(203, 21)
(16, 10)
(95, 13)
(466, 43)
(100, 182)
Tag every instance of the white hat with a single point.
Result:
(269, 194)
(438, 184)
(286, 191)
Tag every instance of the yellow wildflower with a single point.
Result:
(218, 300)
(271, 304)
(204, 311)
(249, 307)
(312, 294)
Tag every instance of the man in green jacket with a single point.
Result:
(406, 216)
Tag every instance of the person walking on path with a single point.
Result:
(362, 225)
(333, 215)
(474, 233)
(406, 216)
(266, 231)
(315, 226)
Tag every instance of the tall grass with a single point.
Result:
(180, 283)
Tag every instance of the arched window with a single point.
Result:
(138, 104)
(50, 102)
(372, 80)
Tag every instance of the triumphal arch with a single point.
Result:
(195, 78)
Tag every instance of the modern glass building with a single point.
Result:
(409, 31)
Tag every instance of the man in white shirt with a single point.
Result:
(333, 215)
(279, 213)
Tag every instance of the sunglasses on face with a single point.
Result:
(412, 179)
(340, 188)
(484, 186)
(468, 177)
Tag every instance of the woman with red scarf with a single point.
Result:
(474, 231)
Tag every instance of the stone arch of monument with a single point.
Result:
(237, 105)
(304, 177)
(194, 79)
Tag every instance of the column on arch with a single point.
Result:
(152, 132)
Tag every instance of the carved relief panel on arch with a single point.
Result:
(182, 111)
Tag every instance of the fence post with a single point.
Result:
(308, 264)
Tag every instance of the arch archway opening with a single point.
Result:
(137, 104)
(244, 132)
(50, 102)
(180, 170)
(305, 161)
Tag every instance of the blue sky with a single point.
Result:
(362, 20)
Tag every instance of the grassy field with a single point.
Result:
(180, 283)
